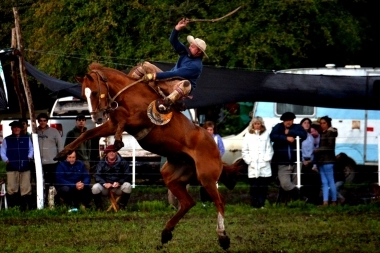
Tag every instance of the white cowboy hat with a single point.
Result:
(201, 44)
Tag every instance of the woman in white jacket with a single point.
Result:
(257, 152)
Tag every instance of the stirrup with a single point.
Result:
(163, 106)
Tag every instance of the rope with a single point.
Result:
(215, 19)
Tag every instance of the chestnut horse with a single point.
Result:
(191, 152)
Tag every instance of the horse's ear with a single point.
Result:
(79, 79)
(89, 77)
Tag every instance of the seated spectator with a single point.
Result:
(342, 161)
(112, 174)
(73, 182)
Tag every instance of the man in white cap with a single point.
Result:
(189, 66)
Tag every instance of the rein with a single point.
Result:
(140, 135)
(110, 99)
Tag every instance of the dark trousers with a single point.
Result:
(258, 190)
(49, 174)
(311, 184)
(49, 171)
(73, 197)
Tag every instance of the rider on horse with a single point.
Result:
(189, 66)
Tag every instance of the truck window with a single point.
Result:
(308, 111)
(71, 108)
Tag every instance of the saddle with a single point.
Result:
(160, 110)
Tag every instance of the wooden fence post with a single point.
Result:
(16, 83)
(37, 155)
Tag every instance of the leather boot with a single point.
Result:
(295, 194)
(29, 202)
(180, 105)
(333, 203)
(98, 201)
(124, 200)
(13, 200)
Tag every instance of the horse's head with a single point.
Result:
(95, 91)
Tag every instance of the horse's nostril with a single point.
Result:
(99, 121)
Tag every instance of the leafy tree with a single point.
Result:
(62, 37)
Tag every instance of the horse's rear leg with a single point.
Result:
(208, 181)
(186, 203)
(179, 190)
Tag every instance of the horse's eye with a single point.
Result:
(94, 93)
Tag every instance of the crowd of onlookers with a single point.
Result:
(265, 152)
(70, 180)
(276, 151)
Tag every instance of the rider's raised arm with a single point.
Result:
(179, 48)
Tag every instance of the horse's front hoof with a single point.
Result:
(166, 236)
(224, 242)
(118, 145)
(60, 156)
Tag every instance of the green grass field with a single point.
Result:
(297, 227)
(294, 228)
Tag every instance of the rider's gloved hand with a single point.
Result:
(149, 77)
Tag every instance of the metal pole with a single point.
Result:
(39, 175)
(133, 163)
(298, 163)
(378, 160)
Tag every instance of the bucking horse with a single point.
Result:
(192, 154)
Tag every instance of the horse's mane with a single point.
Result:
(98, 66)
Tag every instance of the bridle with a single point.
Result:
(110, 102)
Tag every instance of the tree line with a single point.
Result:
(62, 37)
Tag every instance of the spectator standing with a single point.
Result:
(314, 131)
(24, 131)
(257, 152)
(283, 136)
(73, 182)
(112, 174)
(311, 181)
(50, 142)
(84, 150)
(210, 127)
(25, 125)
(17, 153)
(325, 157)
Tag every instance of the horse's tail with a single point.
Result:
(230, 173)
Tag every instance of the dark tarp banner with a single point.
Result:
(3, 90)
(218, 86)
(54, 84)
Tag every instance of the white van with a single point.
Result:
(358, 130)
